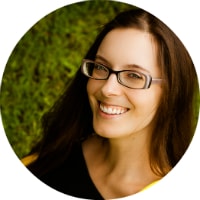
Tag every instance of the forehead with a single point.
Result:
(129, 46)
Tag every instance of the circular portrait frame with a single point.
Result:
(16, 180)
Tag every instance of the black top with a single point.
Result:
(72, 177)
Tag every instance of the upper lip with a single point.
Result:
(113, 105)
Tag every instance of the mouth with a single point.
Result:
(112, 109)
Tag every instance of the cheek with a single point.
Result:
(89, 90)
(146, 100)
(93, 86)
(92, 89)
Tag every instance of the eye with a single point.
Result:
(99, 71)
(99, 67)
(134, 75)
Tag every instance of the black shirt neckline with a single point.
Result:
(72, 177)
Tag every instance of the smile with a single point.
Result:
(112, 110)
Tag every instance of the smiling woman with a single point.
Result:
(127, 117)
(120, 49)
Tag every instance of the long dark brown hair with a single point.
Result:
(70, 119)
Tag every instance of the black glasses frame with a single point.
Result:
(148, 78)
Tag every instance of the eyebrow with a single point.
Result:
(102, 58)
(135, 66)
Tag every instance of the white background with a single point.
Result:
(16, 17)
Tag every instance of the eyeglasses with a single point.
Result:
(128, 78)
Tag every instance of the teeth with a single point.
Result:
(112, 110)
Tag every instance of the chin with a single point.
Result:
(110, 132)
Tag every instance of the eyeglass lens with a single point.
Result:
(131, 79)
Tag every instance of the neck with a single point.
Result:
(124, 159)
(128, 154)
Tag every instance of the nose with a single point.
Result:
(111, 86)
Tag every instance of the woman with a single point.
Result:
(127, 117)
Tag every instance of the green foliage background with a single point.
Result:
(43, 62)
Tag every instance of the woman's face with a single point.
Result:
(119, 111)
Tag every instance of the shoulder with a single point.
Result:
(29, 159)
(150, 185)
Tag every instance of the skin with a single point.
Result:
(124, 154)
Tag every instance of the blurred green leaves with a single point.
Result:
(43, 62)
